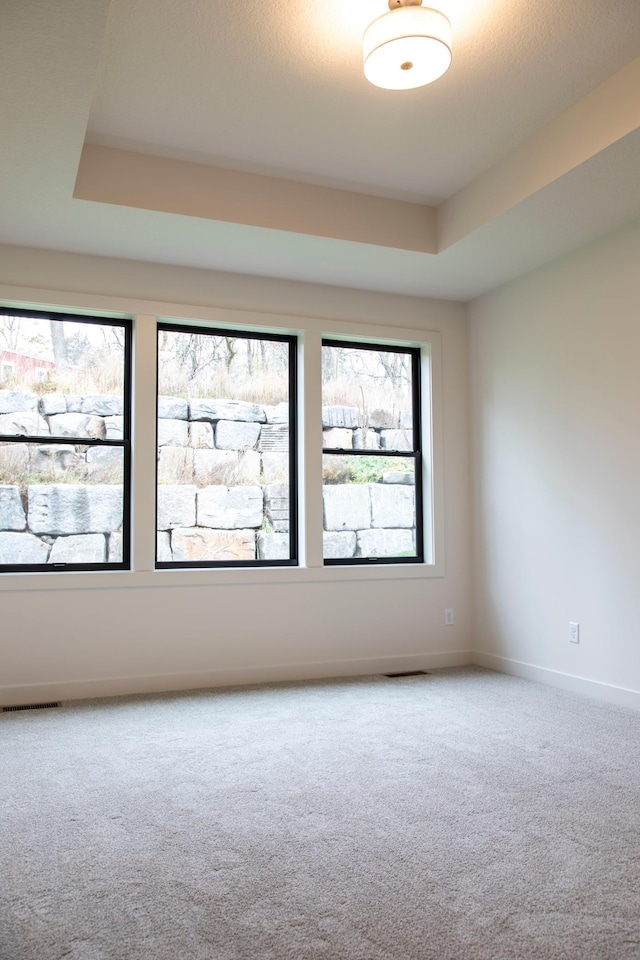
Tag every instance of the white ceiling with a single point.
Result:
(278, 89)
(281, 85)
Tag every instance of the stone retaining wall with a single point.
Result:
(221, 495)
(77, 521)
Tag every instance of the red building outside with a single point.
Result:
(22, 366)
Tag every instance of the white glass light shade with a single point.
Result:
(408, 47)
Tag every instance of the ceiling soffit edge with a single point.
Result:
(604, 116)
(181, 187)
(122, 177)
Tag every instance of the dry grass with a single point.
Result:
(235, 473)
(263, 388)
(104, 377)
(346, 393)
(18, 467)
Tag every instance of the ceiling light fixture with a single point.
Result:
(408, 47)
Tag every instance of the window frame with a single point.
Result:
(145, 312)
(247, 334)
(416, 453)
(125, 444)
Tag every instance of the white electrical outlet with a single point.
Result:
(448, 616)
(574, 633)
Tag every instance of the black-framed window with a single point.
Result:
(226, 448)
(65, 442)
(372, 457)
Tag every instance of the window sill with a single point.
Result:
(245, 576)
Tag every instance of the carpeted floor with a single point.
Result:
(463, 815)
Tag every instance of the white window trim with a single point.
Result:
(310, 331)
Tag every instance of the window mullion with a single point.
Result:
(311, 449)
(144, 445)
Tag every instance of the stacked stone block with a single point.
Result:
(60, 523)
(370, 519)
(348, 428)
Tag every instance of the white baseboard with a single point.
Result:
(14, 695)
(620, 696)
(165, 682)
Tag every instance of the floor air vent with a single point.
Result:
(31, 706)
(408, 673)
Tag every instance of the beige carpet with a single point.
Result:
(463, 815)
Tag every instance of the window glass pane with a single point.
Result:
(61, 378)
(366, 399)
(61, 503)
(223, 448)
(369, 507)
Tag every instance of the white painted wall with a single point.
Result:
(62, 636)
(555, 397)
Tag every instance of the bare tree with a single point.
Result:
(396, 367)
(59, 344)
(232, 349)
(193, 352)
(9, 332)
